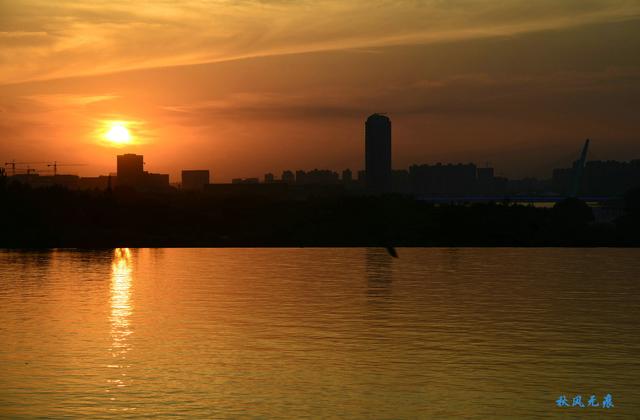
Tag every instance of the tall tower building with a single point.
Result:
(130, 169)
(377, 137)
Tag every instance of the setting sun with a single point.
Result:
(118, 134)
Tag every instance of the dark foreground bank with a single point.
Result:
(56, 217)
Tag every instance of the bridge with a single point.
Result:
(515, 199)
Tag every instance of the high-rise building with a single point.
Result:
(269, 178)
(195, 179)
(131, 174)
(378, 153)
(130, 169)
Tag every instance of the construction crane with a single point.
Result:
(579, 169)
(13, 164)
(56, 164)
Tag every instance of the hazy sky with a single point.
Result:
(246, 87)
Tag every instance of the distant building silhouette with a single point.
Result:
(38, 181)
(611, 177)
(599, 178)
(155, 181)
(195, 179)
(443, 180)
(269, 178)
(485, 175)
(96, 182)
(347, 176)
(378, 153)
(288, 177)
(131, 174)
(317, 177)
(130, 169)
(244, 181)
(487, 183)
(301, 177)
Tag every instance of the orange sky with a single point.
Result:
(246, 87)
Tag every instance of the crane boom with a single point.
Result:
(13, 164)
(579, 169)
(55, 165)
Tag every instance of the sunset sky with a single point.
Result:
(247, 87)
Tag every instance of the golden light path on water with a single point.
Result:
(121, 309)
(443, 333)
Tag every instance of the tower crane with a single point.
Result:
(13, 164)
(579, 169)
(55, 165)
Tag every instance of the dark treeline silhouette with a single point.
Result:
(58, 217)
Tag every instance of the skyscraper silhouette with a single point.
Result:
(378, 153)
(130, 169)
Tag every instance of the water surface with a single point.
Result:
(313, 333)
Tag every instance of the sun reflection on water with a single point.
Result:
(121, 309)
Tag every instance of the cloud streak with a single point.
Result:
(43, 40)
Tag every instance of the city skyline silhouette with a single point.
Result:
(519, 88)
(590, 203)
(584, 177)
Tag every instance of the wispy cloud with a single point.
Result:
(60, 101)
(42, 39)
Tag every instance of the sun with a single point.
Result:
(118, 133)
